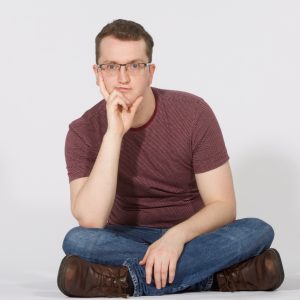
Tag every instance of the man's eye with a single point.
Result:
(134, 66)
(111, 66)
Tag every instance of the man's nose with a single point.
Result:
(123, 75)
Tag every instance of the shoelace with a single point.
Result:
(116, 282)
(230, 277)
(233, 277)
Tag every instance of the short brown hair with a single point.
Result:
(127, 31)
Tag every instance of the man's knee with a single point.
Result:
(79, 238)
(71, 240)
(261, 229)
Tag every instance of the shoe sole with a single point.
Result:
(61, 275)
(278, 264)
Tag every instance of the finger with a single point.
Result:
(126, 100)
(149, 268)
(120, 95)
(164, 273)
(115, 100)
(144, 258)
(157, 274)
(122, 103)
(143, 261)
(172, 270)
(103, 89)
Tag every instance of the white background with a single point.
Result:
(242, 57)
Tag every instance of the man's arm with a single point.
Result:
(217, 192)
(92, 197)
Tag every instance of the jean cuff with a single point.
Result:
(130, 264)
(209, 283)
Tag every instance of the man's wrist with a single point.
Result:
(112, 134)
(177, 232)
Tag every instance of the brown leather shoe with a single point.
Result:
(80, 278)
(263, 272)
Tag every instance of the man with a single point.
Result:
(152, 191)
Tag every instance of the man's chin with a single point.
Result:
(131, 97)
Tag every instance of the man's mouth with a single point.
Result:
(123, 90)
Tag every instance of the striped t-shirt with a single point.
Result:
(156, 184)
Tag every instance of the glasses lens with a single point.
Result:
(133, 68)
(136, 68)
(112, 69)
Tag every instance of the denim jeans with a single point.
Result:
(201, 257)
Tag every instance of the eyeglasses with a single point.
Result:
(132, 68)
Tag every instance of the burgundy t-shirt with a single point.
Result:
(156, 185)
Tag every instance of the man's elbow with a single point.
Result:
(229, 210)
(233, 216)
(87, 221)
(90, 223)
(233, 213)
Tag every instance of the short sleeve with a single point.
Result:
(208, 146)
(78, 155)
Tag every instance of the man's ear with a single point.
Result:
(151, 73)
(95, 69)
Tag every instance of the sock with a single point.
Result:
(215, 286)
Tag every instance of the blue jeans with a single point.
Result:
(201, 257)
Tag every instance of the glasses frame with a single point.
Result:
(125, 65)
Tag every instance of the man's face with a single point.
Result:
(113, 50)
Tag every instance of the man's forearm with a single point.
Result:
(95, 200)
(211, 217)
